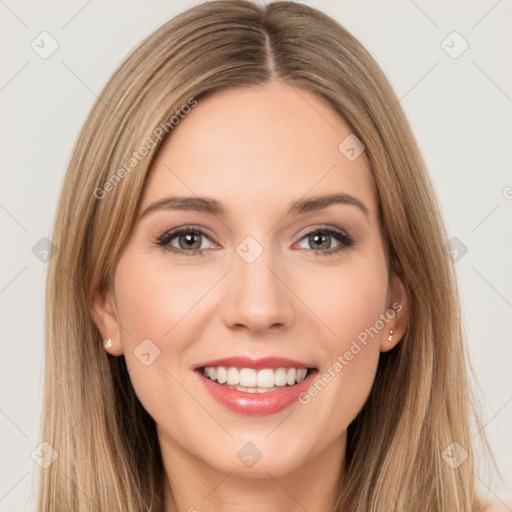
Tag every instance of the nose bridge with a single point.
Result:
(256, 295)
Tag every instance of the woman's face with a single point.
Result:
(304, 288)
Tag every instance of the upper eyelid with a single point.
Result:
(322, 227)
(173, 233)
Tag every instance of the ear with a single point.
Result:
(105, 316)
(398, 306)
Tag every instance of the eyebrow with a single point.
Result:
(213, 207)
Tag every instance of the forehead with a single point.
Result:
(257, 148)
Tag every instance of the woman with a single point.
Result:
(251, 303)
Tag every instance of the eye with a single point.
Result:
(189, 241)
(320, 241)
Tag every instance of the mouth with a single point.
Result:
(256, 387)
(251, 380)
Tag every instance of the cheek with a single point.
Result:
(349, 301)
(150, 303)
(360, 302)
(352, 308)
(153, 298)
(157, 302)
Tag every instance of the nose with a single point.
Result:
(257, 297)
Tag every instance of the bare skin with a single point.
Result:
(255, 150)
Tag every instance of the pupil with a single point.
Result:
(189, 240)
(317, 239)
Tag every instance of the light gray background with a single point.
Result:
(459, 108)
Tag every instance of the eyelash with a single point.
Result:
(344, 238)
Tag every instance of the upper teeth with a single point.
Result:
(251, 378)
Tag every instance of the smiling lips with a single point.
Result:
(255, 386)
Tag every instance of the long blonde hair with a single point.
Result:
(108, 453)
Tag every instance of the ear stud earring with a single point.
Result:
(390, 334)
(108, 343)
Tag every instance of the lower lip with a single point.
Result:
(256, 404)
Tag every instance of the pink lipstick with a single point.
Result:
(255, 386)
